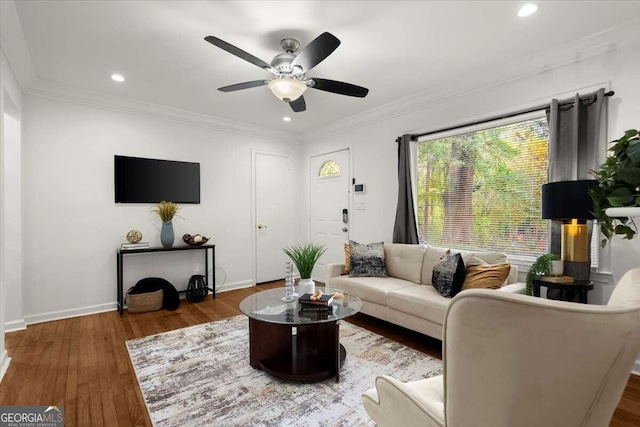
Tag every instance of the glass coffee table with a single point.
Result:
(293, 345)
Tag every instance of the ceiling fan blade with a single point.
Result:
(239, 53)
(341, 88)
(245, 85)
(298, 105)
(316, 51)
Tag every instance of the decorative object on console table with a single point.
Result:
(616, 198)
(541, 267)
(305, 257)
(140, 245)
(134, 236)
(569, 202)
(167, 211)
(195, 239)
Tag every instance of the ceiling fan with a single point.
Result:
(289, 70)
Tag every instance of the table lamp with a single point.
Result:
(569, 202)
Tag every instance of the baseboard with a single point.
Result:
(636, 367)
(66, 314)
(236, 285)
(15, 325)
(4, 363)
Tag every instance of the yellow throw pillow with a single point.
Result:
(347, 259)
(488, 276)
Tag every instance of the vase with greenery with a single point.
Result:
(304, 257)
(167, 211)
(618, 186)
(541, 267)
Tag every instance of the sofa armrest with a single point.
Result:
(514, 288)
(332, 270)
(413, 404)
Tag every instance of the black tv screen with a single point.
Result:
(139, 180)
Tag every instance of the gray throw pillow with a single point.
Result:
(448, 274)
(367, 260)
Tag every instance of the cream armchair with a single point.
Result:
(514, 360)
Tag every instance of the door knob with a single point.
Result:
(344, 229)
(261, 226)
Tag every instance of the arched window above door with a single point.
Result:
(329, 168)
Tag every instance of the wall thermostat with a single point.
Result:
(359, 188)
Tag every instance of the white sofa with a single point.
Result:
(406, 297)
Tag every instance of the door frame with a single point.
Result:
(349, 189)
(254, 207)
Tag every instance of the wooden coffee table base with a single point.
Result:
(313, 353)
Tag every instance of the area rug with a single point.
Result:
(200, 376)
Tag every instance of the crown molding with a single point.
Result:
(594, 45)
(14, 45)
(66, 93)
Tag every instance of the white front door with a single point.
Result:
(329, 197)
(273, 216)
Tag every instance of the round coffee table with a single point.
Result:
(296, 345)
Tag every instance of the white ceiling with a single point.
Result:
(394, 48)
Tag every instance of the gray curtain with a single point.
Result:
(405, 229)
(576, 144)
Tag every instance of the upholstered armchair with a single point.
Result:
(515, 360)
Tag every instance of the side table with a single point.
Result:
(572, 291)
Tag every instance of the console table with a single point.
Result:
(122, 252)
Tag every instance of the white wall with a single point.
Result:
(374, 150)
(72, 227)
(10, 255)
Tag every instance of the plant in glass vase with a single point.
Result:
(616, 198)
(304, 257)
(167, 211)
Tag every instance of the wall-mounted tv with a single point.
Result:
(140, 180)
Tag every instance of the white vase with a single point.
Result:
(557, 267)
(306, 286)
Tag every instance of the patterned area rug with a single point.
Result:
(200, 376)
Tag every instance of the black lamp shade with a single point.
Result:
(566, 200)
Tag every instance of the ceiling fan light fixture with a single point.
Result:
(287, 89)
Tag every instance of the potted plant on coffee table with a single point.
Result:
(304, 257)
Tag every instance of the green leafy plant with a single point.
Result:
(305, 257)
(618, 186)
(166, 211)
(541, 267)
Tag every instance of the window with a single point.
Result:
(480, 189)
(329, 168)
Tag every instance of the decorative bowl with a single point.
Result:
(195, 239)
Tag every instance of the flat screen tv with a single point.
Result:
(139, 180)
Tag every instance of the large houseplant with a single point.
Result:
(618, 186)
(304, 257)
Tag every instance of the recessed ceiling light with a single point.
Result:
(286, 119)
(117, 77)
(527, 10)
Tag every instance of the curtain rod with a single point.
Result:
(505, 116)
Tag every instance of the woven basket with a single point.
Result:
(140, 303)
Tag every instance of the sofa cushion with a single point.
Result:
(433, 253)
(448, 274)
(367, 260)
(404, 261)
(347, 259)
(373, 289)
(421, 301)
(487, 276)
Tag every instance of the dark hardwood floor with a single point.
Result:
(83, 364)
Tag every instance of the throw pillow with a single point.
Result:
(367, 260)
(347, 259)
(488, 276)
(448, 274)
